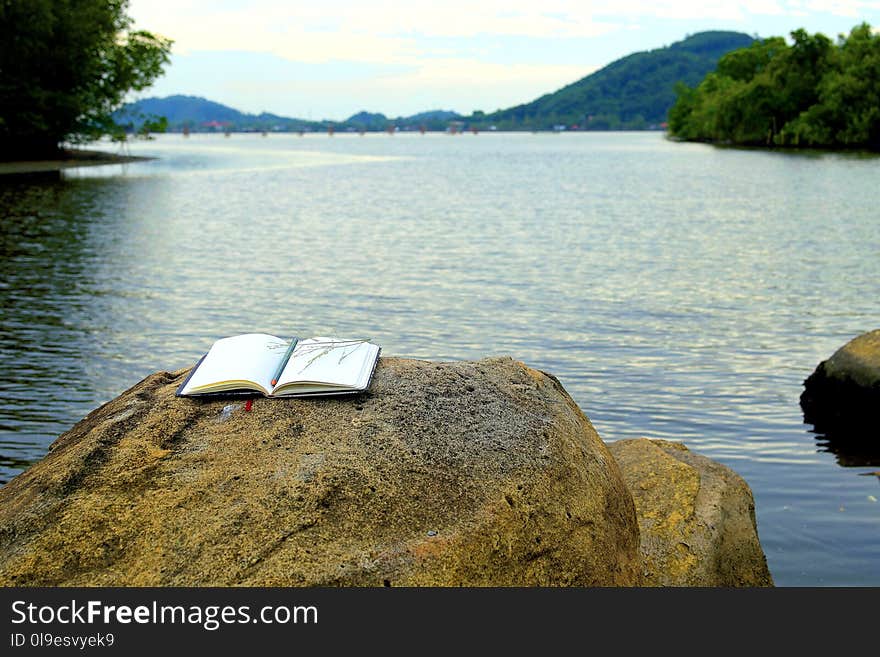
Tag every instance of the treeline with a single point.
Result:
(812, 93)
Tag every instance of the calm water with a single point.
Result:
(678, 291)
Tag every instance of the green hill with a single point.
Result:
(632, 93)
(368, 121)
(199, 114)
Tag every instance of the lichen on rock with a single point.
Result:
(696, 517)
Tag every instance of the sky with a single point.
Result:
(329, 59)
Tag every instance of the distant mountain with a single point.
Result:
(199, 114)
(634, 92)
(433, 120)
(434, 115)
(368, 121)
(181, 109)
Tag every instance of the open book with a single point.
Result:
(263, 363)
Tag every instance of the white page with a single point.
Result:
(329, 361)
(249, 357)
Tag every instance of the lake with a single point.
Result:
(678, 291)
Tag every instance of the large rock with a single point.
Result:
(842, 396)
(696, 517)
(473, 473)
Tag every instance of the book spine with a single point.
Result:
(180, 388)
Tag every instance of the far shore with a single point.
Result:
(840, 149)
(67, 159)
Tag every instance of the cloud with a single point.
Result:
(277, 30)
(849, 8)
(397, 31)
(384, 31)
(499, 51)
(474, 73)
(335, 90)
(292, 28)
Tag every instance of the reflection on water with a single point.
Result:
(850, 455)
(678, 291)
(853, 446)
(51, 309)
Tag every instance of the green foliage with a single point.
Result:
(142, 126)
(744, 64)
(632, 93)
(65, 65)
(811, 93)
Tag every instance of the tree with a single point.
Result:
(811, 93)
(65, 65)
(744, 64)
(849, 109)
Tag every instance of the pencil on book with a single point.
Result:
(283, 363)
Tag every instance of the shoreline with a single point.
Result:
(67, 159)
(860, 150)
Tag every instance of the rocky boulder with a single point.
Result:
(696, 517)
(842, 396)
(468, 473)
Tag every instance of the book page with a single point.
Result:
(252, 357)
(327, 361)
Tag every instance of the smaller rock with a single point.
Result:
(842, 396)
(696, 517)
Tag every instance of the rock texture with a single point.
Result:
(842, 396)
(473, 473)
(696, 517)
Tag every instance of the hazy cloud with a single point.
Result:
(462, 55)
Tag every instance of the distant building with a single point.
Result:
(216, 125)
